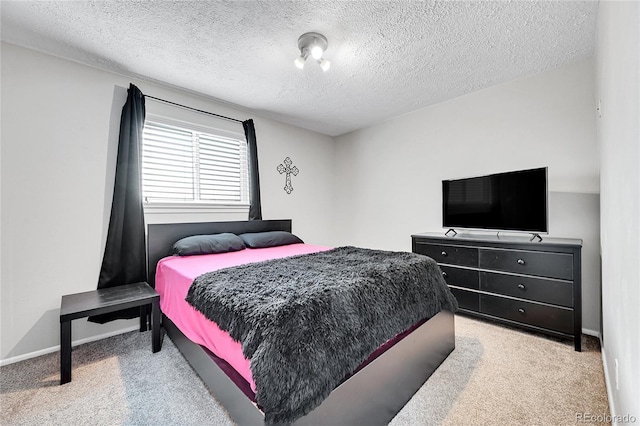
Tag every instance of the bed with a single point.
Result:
(372, 395)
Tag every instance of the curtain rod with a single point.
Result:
(194, 109)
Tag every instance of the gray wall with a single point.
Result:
(60, 122)
(618, 88)
(389, 175)
(577, 215)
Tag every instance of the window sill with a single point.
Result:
(181, 208)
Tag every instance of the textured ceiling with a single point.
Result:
(387, 57)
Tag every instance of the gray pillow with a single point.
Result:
(269, 239)
(207, 244)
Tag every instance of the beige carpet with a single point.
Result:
(507, 377)
(495, 376)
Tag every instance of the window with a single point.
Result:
(189, 164)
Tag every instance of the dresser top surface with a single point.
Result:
(496, 239)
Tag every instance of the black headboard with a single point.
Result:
(160, 237)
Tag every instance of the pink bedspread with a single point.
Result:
(174, 276)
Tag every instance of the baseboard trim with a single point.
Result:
(607, 383)
(591, 333)
(56, 348)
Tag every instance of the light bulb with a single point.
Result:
(300, 60)
(316, 52)
(325, 65)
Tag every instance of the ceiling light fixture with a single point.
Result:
(314, 45)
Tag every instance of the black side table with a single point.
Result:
(102, 301)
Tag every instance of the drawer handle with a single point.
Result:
(521, 286)
(444, 253)
(444, 274)
(521, 310)
(520, 261)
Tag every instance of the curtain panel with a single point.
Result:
(255, 207)
(124, 260)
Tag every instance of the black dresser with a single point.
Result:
(533, 285)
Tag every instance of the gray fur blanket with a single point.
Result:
(307, 321)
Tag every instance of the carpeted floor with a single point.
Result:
(496, 375)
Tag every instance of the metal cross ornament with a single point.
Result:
(286, 168)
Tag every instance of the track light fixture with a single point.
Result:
(314, 45)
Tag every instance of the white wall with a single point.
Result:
(60, 124)
(389, 175)
(310, 204)
(618, 87)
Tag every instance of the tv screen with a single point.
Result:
(512, 201)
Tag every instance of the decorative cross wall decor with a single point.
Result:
(286, 168)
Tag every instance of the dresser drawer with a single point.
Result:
(453, 255)
(552, 265)
(467, 299)
(531, 288)
(459, 277)
(549, 317)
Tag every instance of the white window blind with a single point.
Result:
(186, 165)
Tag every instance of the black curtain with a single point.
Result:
(255, 208)
(124, 259)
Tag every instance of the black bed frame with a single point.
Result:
(372, 396)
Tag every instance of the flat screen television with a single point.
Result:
(511, 201)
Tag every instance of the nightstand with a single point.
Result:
(102, 301)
